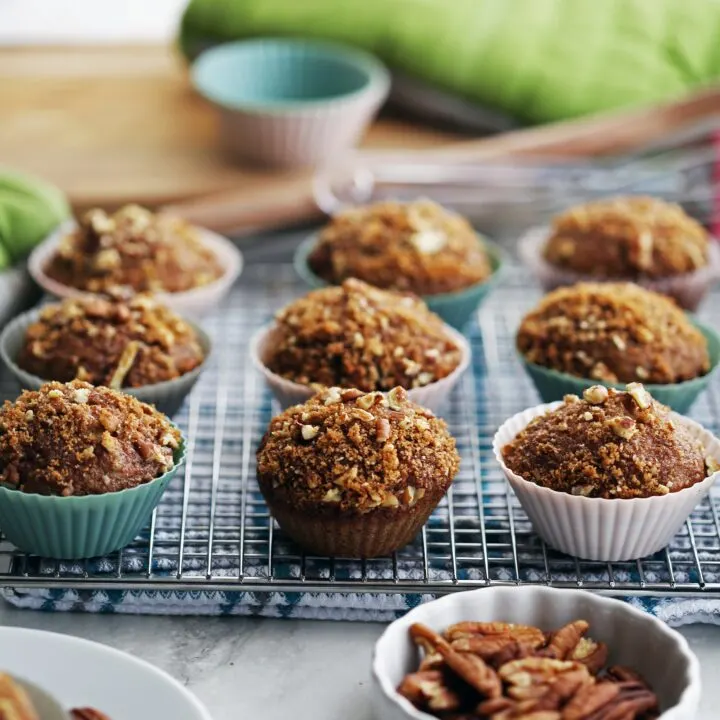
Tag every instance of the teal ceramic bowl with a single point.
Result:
(285, 102)
(455, 308)
(553, 385)
(75, 528)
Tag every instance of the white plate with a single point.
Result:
(79, 673)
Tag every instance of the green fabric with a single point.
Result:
(30, 209)
(538, 60)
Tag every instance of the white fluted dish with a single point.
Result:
(608, 530)
(636, 639)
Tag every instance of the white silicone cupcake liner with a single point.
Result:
(433, 396)
(598, 528)
(167, 396)
(688, 289)
(191, 303)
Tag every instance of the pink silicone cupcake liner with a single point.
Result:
(599, 528)
(688, 289)
(433, 396)
(191, 303)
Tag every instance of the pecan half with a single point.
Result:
(564, 641)
(473, 670)
(521, 633)
(589, 699)
(428, 690)
(485, 647)
(591, 654)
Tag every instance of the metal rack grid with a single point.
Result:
(212, 530)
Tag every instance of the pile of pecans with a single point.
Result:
(501, 671)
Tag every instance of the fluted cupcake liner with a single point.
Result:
(75, 528)
(167, 396)
(554, 385)
(455, 308)
(608, 530)
(688, 289)
(189, 303)
(377, 533)
(288, 393)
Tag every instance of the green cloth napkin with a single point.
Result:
(537, 60)
(30, 209)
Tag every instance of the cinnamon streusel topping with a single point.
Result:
(348, 451)
(107, 342)
(419, 247)
(133, 248)
(615, 332)
(628, 237)
(609, 444)
(358, 336)
(76, 439)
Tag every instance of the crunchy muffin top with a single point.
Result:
(76, 439)
(347, 451)
(133, 248)
(418, 247)
(614, 332)
(609, 444)
(114, 343)
(357, 336)
(628, 237)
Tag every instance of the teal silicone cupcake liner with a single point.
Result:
(454, 308)
(553, 385)
(75, 528)
(167, 397)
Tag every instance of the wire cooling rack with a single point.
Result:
(212, 530)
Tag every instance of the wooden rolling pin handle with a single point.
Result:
(288, 202)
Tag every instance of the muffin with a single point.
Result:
(75, 439)
(609, 444)
(417, 247)
(628, 238)
(613, 332)
(357, 336)
(133, 248)
(611, 476)
(355, 474)
(121, 344)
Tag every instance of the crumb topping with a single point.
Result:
(614, 332)
(418, 247)
(110, 342)
(355, 335)
(76, 439)
(133, 248)
(628, 237)
(348, 451)
(623, 446)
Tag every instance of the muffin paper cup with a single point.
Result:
(455, 308)
(433, 396)
(554, 385)
(190, 303)
(598, 528)
(377, 533)
(688, 289)
(167, 396)
(75, 528)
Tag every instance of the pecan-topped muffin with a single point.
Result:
(353, 473)
(355, 335)
(116, 343)
(614, 332)
(136, 249)
(76, 439)
(418, 247)
(628, 237)
(609, 444)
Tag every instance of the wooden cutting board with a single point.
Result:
(111, 125)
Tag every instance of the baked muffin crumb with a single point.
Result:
(613, 445)
(355, 335)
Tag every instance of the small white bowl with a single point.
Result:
(288, 393)
(609, 530)
(190, 303)
(636, 640)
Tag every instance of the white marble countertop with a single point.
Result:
(276, 669)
